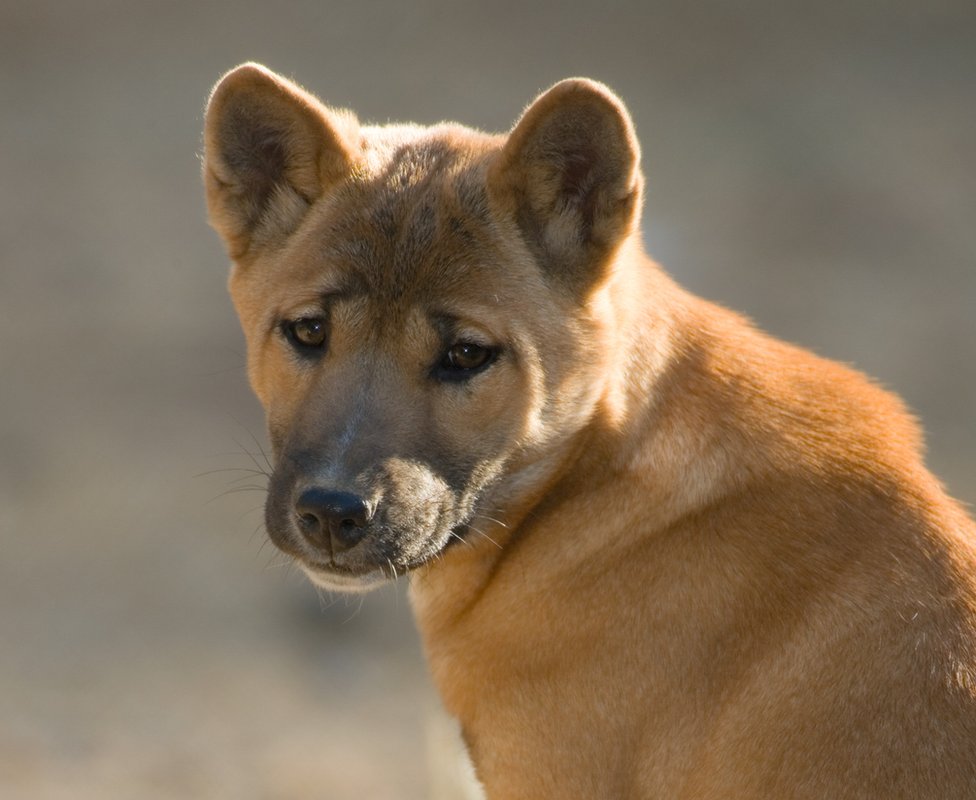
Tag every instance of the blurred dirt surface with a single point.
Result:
(811, 164)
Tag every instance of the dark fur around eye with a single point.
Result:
(464, 360)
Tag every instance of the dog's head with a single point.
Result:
(424, 308)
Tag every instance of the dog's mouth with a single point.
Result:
(381, 558)
(332, 576)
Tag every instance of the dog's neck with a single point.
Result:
(633, 436)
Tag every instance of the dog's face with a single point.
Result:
(423, 309)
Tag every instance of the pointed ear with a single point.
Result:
(270, 150)
(570, 173)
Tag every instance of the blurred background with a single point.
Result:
(810, 164)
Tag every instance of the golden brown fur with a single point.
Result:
(654, 553)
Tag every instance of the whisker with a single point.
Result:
(251, 511)
(491, 519)
(484, 535)
(259, 528)
(460, 538)
(355, 613)
(257, 444)
(247, 470)
(276, 562)
(253, 458)
(251, 487)
(248, 478)
(236, 490)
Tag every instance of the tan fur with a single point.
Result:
(696, 562)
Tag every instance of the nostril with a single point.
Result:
(349, 524)
(309, 520)
(332, 518)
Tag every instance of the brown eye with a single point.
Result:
(464, 359)
(306, 333)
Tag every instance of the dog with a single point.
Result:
(652, 551)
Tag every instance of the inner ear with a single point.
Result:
(271, 150)
(569, 174)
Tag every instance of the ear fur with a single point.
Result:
(270, 150)
(570, 174)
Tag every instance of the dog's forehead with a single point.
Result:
(416, 214)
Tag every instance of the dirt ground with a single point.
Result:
(811, 164)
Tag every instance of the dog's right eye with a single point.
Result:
(306, 334)
(463, 360)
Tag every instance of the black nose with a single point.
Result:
(334, 520)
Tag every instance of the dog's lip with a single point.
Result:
(332, 568)
(325, 573)
(377, 572)
(388, 569)
(336, 578)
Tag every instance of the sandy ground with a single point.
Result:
(810, 164)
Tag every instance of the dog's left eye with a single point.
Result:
(306, 333)
(464, 359)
